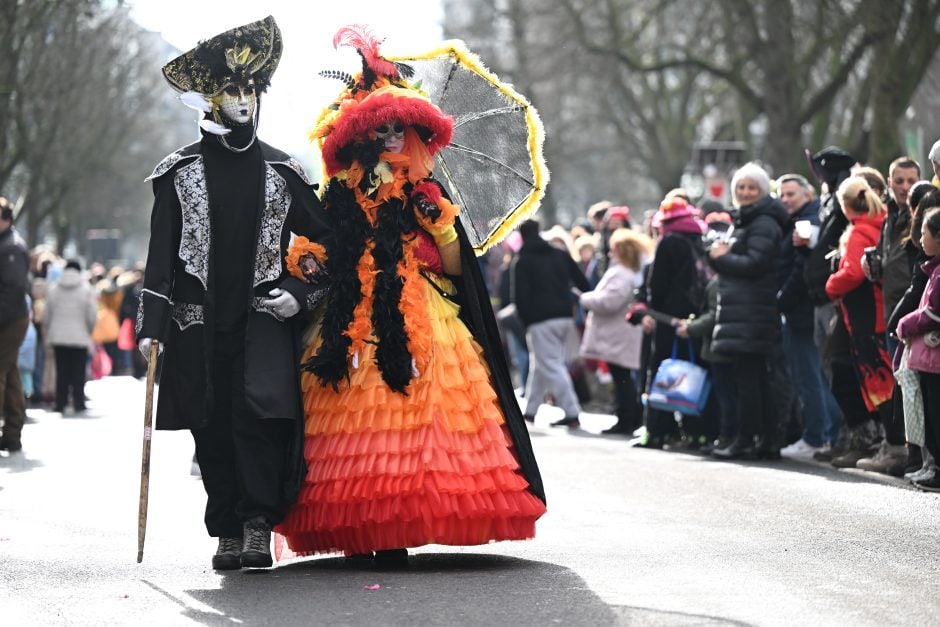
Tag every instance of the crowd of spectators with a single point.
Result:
(66, 324)
(817, 315)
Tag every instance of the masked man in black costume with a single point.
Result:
(217, 296)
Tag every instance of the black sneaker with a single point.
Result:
(227, 555)
(570, 422)
(256, 551)
(929, 485)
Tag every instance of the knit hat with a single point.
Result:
(673, 208)
(622, 212)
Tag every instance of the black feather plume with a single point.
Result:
(405, 70)
(346, 77)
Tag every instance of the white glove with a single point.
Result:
(283, 304)
(144, 346)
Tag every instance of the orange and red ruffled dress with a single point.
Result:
(388, 471)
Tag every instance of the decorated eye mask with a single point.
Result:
(392, 134)
(391, 129)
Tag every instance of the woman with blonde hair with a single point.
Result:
(606, 336)
(861, 376)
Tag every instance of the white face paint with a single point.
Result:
(393, 134)
(238, 103)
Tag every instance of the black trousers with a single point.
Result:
(242, 457)
(848, 393)
(930, 389)
(70, 364)
(628, 408)
(757, 415)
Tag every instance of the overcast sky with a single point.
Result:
(297, 94)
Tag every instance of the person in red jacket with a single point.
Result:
(862, 381)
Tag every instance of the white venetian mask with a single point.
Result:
(237, 103)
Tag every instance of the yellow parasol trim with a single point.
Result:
(458, 49)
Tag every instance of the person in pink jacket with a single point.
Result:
(920, 330)
(606, 336)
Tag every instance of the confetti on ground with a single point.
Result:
(374, 586)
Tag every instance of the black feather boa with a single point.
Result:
(343, 253)
(394, 220)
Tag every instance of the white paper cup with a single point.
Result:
(804, 228)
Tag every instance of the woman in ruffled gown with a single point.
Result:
(413, 435)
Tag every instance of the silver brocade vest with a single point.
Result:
(196, 234)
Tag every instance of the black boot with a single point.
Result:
(227, 556)
(768, 449)
(391, 559)
(619, 428)
(256, 552)
(571, 422)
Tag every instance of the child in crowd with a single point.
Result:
(920, 330)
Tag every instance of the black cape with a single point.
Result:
(476, 312)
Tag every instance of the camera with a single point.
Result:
(874, 263)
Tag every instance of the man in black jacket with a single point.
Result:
(819, 426)
(216, 293)
(14, 320)
(542, 280)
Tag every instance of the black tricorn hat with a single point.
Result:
(247, 52)
(831, 165)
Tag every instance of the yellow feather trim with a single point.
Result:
(458, 49)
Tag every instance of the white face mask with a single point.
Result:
(238, 103)
(393, 134)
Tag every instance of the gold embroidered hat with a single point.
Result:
(247, 52)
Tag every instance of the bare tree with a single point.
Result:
(84, 118)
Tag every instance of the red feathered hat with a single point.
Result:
(357, 118)
(378, 95)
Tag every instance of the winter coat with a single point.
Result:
(792, 296)
(606, 336)
(71, 311)
(911, 298)
(671, 285)
(177, 303)
(861, 315)
(849, 276)
(921, 327)
(817, 266)
(703, 325)
(748, 321)
(898, 258)
(542, 277)
(14, 282)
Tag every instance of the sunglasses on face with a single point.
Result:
(393, 128)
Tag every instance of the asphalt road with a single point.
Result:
(632, 537)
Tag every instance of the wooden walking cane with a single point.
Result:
(145, 454)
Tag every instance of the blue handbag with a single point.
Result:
(680, 385)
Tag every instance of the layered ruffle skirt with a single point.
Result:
(389, 471)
